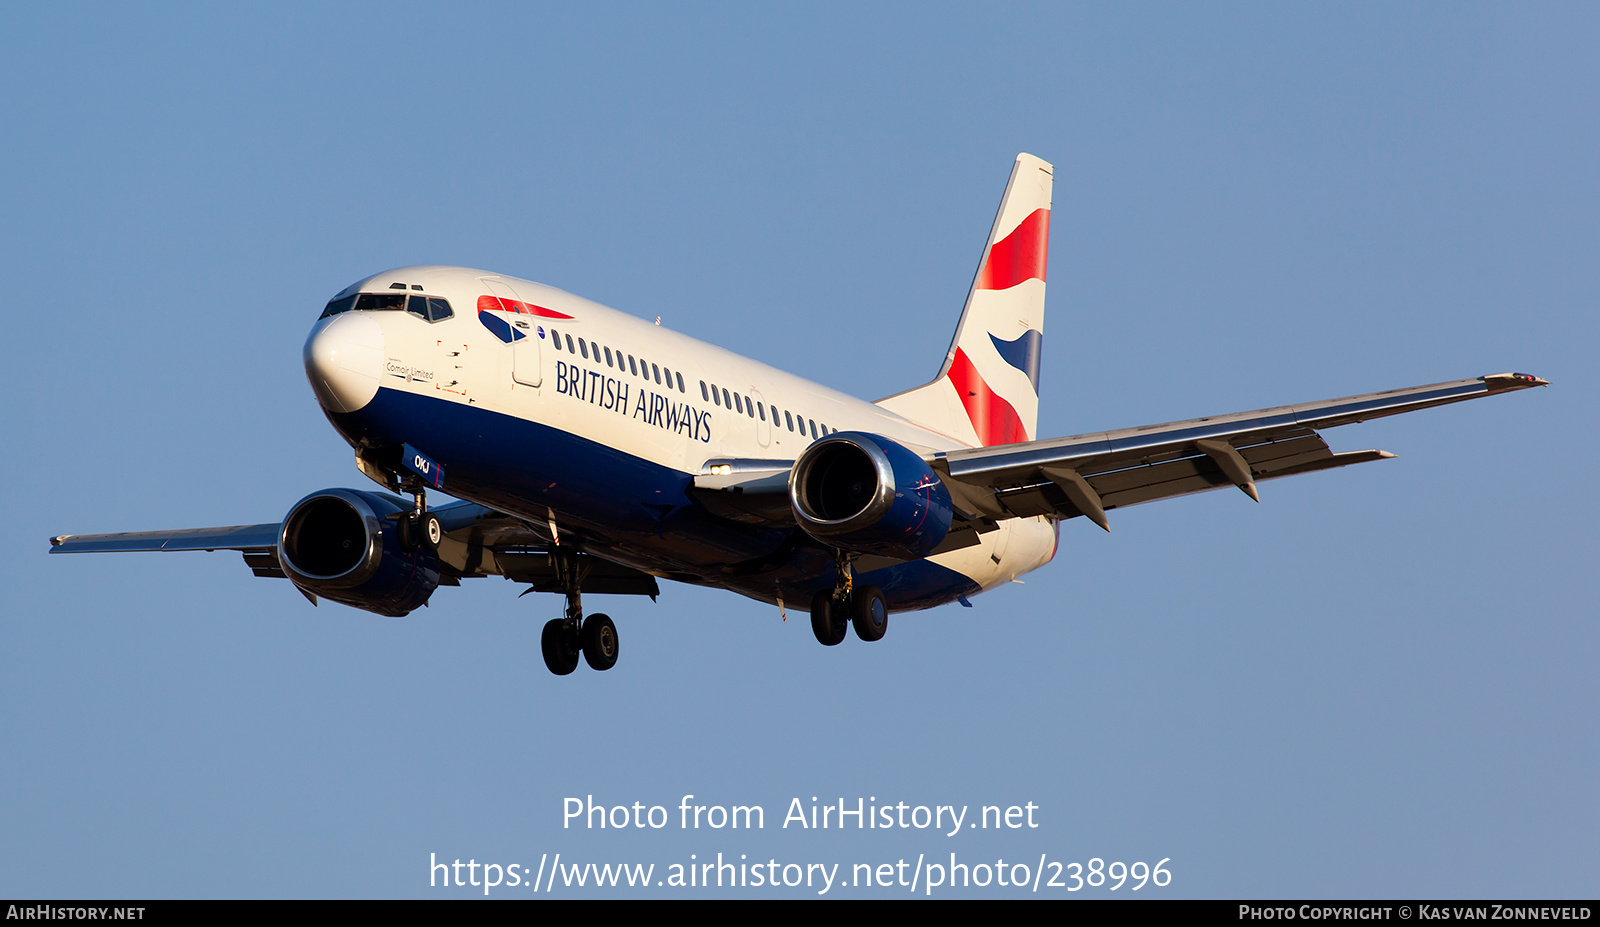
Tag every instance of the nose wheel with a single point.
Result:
(419, 528)
(420, 532)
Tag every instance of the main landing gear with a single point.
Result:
(848, 604)
(564, 639)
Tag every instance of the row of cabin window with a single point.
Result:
(720, 397)
(742, 403)
(634, 366)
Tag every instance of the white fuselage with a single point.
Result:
(625, 387)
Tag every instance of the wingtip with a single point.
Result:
(1500, 382)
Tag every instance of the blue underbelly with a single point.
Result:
(623, 506)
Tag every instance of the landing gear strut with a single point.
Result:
(420, 528)
(848, 604)
(564, 639)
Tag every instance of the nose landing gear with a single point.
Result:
(419, 528)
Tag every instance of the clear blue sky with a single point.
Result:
(1378, 682)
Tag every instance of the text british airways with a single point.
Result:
(597, 389)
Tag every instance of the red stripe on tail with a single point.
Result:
(994, 419)
(1020, 256)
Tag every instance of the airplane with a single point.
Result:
(593, 451)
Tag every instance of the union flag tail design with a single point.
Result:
(987, 392)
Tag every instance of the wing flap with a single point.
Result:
(264, 564)
(600, 576)
(1134, 485)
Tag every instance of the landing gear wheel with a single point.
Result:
(557, 643)
(827, 619)
(599, 642)
(869, 613)
(428, 531)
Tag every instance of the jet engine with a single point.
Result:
(865, 493)
(345, 545)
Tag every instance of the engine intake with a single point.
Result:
(343, 544)
(865, 493)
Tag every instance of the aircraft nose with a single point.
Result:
(344, 360)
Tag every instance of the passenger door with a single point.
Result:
(526, 360)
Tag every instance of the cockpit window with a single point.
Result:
(429, 308)
(370, 302)
(337, 306)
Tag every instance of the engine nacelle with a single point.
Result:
(343, 545)
(865, 493)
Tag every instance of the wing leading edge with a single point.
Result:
(1090, 474)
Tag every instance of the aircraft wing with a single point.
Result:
(1090, 474)
(1093, 473)
(478, 541)
(258, 543)
(236, 537)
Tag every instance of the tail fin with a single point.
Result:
(987, 392)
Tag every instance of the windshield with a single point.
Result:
(431, 308)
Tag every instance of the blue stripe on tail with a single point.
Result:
(1022, 353)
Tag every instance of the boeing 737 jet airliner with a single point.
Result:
(597, 452)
